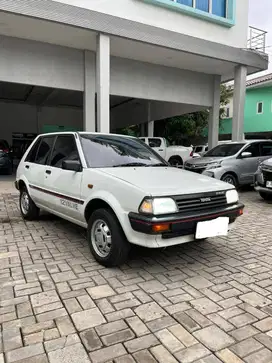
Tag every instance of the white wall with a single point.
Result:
(30, 119)
(35, 63)
(145, 13)
(154, 82)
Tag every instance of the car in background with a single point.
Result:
(5, 163)
(263, 180)
(232, 162)
(4, 146)
(175, 155)
(200, 149)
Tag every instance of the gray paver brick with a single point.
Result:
(144, 357)
(162, 355)
(169, 340)
(91, 340)
(106, 354)
(262, 356)
(246, 347)
(88, 319)
(150, 311)
(25, 352)
(214, 338)
(137, 326)
(144, 342)
(117, 337)
(192, 353)
(73, 353)
(44, 298)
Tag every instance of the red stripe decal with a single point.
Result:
(71, 199)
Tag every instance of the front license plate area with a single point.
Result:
(213, 228)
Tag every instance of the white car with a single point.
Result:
(122, 192)
(175, 155)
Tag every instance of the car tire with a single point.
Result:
(176, 161)
(230, 179)
(102, 226)
(28, 208)
(266, 196)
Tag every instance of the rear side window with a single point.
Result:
(33, 152)
(65, 149)
(154, 142)
(266, 149)
(44, 150)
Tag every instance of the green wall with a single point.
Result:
(254, 122)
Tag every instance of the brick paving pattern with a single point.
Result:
(204, 302)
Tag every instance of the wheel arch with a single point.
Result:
(231, 173)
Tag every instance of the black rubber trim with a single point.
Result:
(179, 223)
(71, 199)
(263, 189)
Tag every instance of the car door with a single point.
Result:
(34, 168)
(64, 185)
(248, 166)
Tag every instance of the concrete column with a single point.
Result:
(214, 114)
(142, 129)
(103, 83)
(89, 92)
(239, 97)
(150, 123)
(150, 129)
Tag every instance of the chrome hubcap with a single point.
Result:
(101, 238)
(25, 203)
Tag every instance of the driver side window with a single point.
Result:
(254, 149)
(65, 149)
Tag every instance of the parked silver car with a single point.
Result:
(232, 162)
(263, 180)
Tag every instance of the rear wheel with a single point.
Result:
(29, 210)
(176, 161)
(230, 179)
(266, 196)
(106, 238)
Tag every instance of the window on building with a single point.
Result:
(219, 8)
(202, 5)
(216, 7)
(260, 107)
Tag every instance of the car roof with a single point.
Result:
(85, 133)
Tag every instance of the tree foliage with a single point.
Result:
(186, 128)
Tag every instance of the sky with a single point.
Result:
(260, 17)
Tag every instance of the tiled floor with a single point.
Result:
(204, 302)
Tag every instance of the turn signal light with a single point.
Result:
(241, 212)
(160, 228)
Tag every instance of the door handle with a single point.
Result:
(48, 172)
(160, 149)
(27, 166)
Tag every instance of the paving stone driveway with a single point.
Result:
(205, 302)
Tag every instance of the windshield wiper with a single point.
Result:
(129, 164)
(155, 165)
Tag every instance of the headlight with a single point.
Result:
(232, 196)
(213, 166)
(158, 206)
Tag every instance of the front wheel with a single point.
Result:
(106, 238)
(29, 210)
(230, 179)
(266, 196)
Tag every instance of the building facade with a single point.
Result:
(101, 65)
(258, 110)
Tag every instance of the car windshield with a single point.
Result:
(224, 150)
(107, 151)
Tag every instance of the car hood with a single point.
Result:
(160, 181)
(203, 160)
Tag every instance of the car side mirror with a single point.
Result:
(246, 154)
(72, 165)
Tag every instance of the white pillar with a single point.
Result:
(214, 114)
(103, 83)
(89, 92)
(150, 129)
(239, 97)
(150, 123)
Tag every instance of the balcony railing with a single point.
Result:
(257, 39)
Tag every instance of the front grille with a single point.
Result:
(201, 202)
(195, 168)
(267, 175)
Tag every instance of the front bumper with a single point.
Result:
(180, 224)
(260, 183)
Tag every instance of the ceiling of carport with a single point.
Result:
(43, 96)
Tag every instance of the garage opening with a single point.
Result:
(27, 111)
